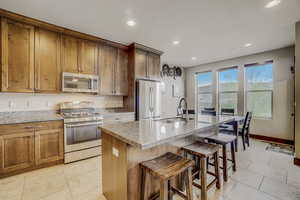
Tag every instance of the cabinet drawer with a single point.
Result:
(15, 128)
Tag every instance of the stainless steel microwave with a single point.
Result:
(72, 82)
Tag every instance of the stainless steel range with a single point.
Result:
(82, 133)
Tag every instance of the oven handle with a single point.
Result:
(83, 124)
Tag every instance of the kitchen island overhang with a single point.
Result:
(125, 145)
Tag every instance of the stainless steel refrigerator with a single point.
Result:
(148, 99)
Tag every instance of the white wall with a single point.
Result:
(10, 102)
(281, 126)
(170, 103)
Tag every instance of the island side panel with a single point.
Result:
(135, 157)
(114, 168)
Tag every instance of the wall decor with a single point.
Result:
(171, 71)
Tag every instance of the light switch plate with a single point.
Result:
(115, 152)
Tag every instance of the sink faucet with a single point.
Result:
(180, 110)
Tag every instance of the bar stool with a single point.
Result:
(224, 139)
(164, 168)
(202, 151)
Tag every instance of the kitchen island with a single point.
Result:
(125, 145)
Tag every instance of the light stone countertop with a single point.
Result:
(28, 116)
(150, 133)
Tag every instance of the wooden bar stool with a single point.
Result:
(224, 139)
(166, 167)
(202, 151)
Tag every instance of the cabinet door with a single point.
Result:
(140, 64)
(49, 146)
(153, 66)
(47, 61)
(121, 73)
(17, 151)
(17, 56)
(108, 60)
(89, 56)
(70, 54)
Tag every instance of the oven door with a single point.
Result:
(82, 135)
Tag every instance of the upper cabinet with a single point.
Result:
(70, 54)
(113, 71)
(147, 64)
(17, 58)
(47, 61)
(121, 73)
(79, 56)
(89, 54)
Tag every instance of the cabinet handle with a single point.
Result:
(29, 127)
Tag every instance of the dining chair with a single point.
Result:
(244, 131)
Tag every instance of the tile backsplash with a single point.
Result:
(10, 102)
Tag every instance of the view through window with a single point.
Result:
(228, 89)
(204, 90)
(259, 89)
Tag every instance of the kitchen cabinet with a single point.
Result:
(70, 54)
(89, 54)
(121, 73)
(17, 151)
(140, 64)
(113, 71)
(17, 57)
(79, 56)
(47, 61)
(30, 145)
(49, 145)
(147, 65)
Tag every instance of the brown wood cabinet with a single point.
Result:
(17, 56)
(47, 61)
(79, 56)
(30, 145)
(70, 54)
(17, 151)
(89, 60)
(49, 145)
(121, 73)
(147, 65)
(113, 71)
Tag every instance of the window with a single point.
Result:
(204, 90)
(259, 89)
(228, 89)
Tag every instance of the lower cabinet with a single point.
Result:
(49, 146)
(30, 145)
(17, 151)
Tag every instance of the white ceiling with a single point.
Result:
(210, 30)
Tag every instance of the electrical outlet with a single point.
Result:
(28, 104)
(115, 152)
(11, 104)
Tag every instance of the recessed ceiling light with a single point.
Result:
(273, 3)
(131, 23)
(194, 58)
(248, 45)
(176, 42)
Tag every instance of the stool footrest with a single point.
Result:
(177, 191)
(208, 186)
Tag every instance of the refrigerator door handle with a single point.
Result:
(151, 101)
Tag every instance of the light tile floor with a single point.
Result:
(261, 175)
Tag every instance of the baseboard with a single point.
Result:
(297, 161)
(272, 139)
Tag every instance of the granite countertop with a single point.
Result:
(40, 116)
(150, 133)
(28, 116)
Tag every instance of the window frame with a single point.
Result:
(197, 91)
(247, 91)
(228, 92)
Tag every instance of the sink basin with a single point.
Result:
(172, 120)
